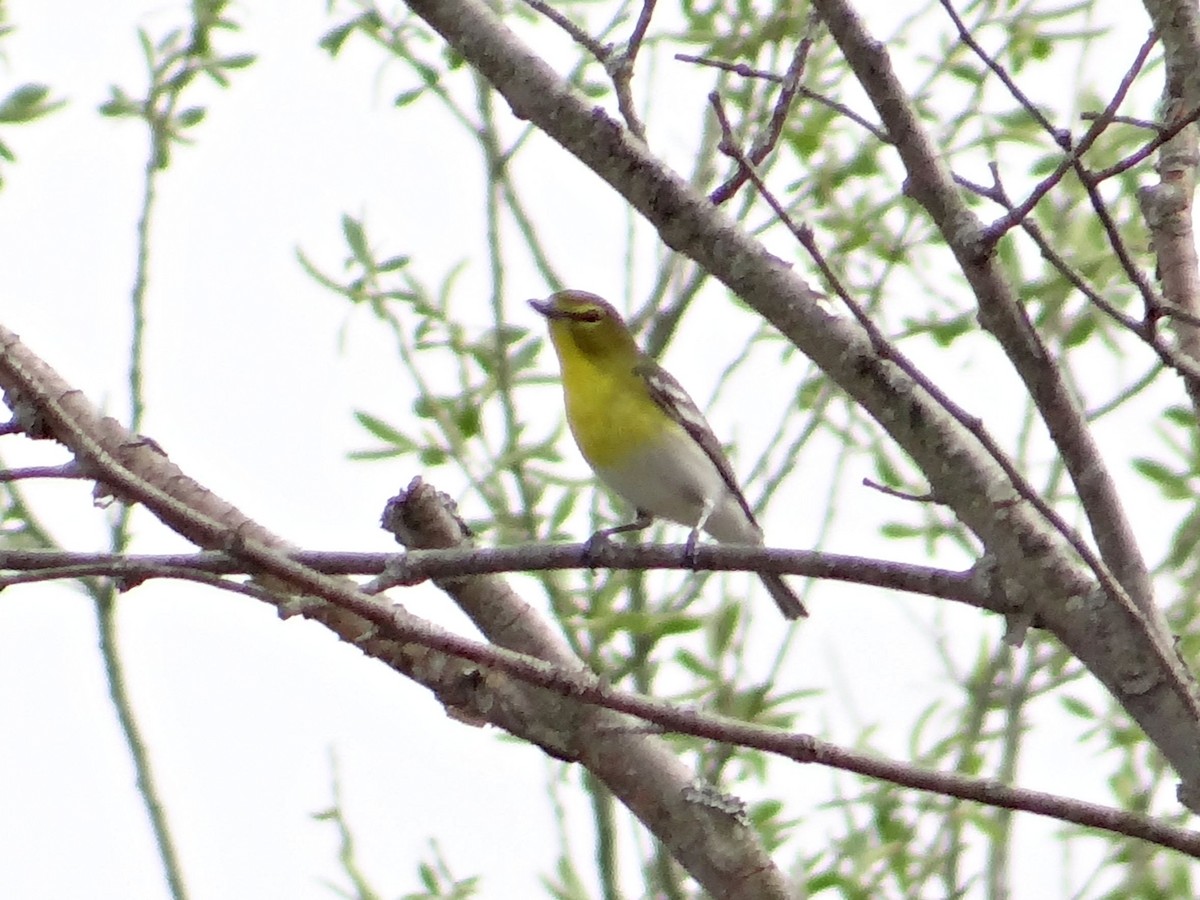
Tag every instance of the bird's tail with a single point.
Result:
(785, 598)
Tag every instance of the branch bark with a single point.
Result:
(1167, 206)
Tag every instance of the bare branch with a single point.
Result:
(1164, 136)
(66, 470)
(562, 719)
(748, 72)
(619, 66)
(998, 228)
(1060, 136)
(765, 143)
(620, 69)
(899, 495)
(1144, 330)
(1167, 206)
(418, 566)
(601, 52)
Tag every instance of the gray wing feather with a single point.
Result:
(675, 402)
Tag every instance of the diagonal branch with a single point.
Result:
(765, 143)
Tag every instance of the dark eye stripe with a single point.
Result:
(586, 315)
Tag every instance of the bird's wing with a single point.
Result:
(675, 402)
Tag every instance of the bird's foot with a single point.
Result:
(594, 546)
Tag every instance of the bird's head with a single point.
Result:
(584, 323)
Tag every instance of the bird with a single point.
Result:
(643, 436)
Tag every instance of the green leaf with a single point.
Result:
(561, 512)
(945, 332)
(373, 455)
(809, 391)
(468, 421)
(722, 629)
(524, 358)
(392, 264)
(1078, 708)
(765, 811)
(404, 98)
(385, 432)
(968, 72)
(1172, 485)
(425, 408)
(26, 103)
(429, 878)
(886, 472)
(331, 42)
(356, 239)
(1184, 541)
(193, 115)
(1183, 416)
(433, 456)
(1081, 329)
(899, 530)
(119, 104)
(237, 61)
(698, 666)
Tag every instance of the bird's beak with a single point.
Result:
(546, 308)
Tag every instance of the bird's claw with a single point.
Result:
(593, 546)
(690, 549)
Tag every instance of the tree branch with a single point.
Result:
(1167, 206)
(974, 586)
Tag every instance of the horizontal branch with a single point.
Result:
(972, 586)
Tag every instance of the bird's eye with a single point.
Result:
(590, 315)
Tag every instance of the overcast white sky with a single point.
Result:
(250, 393)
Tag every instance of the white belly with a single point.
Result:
(676, 480)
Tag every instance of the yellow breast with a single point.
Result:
(610, 412)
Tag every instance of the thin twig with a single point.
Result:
(1164, 135)
(66, 470)
(899, 494)
(620, 69)
(1001, 226)
(1186, 367)
(601, 51)
(619, 66)
(808, 94)
(1060, 136)
(765, 142)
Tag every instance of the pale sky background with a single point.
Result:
(250, 382)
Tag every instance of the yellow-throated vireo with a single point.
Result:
(643, 435)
